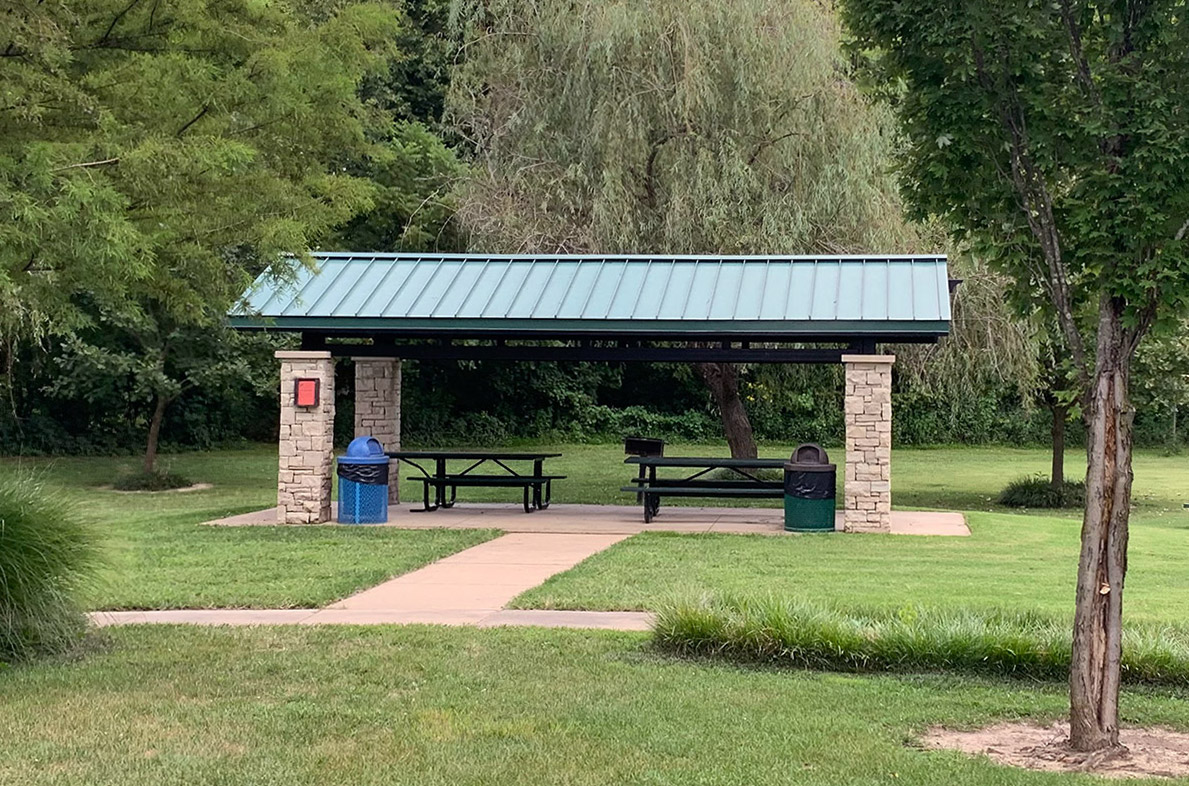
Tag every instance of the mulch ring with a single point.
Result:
(1146, 753)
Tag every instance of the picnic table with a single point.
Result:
(537, 486)
(743, 481)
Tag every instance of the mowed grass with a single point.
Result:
(158, 554)
(293, 706)
(1012, 561)
(161, 556)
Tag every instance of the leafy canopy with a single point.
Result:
(1053, 135)
(154, 152)
(670, 126)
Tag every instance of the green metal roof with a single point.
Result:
(471, 294)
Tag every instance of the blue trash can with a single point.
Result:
(363, 483)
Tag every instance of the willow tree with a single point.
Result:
(1055, 137)
(670, 127)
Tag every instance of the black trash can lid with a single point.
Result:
(809, 456)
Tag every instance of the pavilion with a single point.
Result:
(382, 308)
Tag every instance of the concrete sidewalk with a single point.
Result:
(482, 578)
(600, 620)
(473, 586)
(468, 588)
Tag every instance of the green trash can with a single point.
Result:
(809, 481)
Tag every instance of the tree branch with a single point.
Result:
(1078, 54)
(1180, 235)
(1037, 207)
(195, 119)
(116, 21)
(87, 164)
(767, 143)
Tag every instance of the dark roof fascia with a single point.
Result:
(844, 330)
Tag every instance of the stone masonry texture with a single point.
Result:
(306, 446)
(867, 492)
(377, 408)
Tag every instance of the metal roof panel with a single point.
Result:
(827, 293)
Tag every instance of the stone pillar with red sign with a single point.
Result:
(306, 445)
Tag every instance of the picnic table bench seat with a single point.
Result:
(444, 485)
(744, 484)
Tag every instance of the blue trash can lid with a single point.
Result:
(364, 450)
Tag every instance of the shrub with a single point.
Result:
(151, 481)
(47, 555)
(1036, 491)
(795, 633)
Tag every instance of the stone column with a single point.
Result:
(377, 407)
(868, 489)
(306, 441)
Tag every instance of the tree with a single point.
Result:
(670, 127)
(1162, 375)
(411, 167)
(153, 360)
(1054, 138)
(155, 157)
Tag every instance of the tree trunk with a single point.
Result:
(723, 381)
(1057, 477)
(150, 454)
(1098, 619)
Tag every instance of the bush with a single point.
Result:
(47, 555)
(795, 633)
(1036, 491)
(151, 481)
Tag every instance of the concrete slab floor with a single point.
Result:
(625, 520)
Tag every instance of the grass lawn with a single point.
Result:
(162, 558)
(159, 556)
(425, 706)
(1019, 561)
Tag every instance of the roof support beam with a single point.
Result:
(587, 353)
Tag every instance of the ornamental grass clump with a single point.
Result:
(47, 556)
(797, 633)
(1037, 491)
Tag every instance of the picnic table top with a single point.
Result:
(705, 461)
(469, 454)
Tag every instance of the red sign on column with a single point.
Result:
(306, 393)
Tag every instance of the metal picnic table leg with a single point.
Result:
(440, 486)
(656, 500)
(538, 469)
(428, 507)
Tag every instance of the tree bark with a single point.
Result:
(1057, 476)
(1098, 619)
(723, 381)
(150, 454)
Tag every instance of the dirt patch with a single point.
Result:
(182, 490)
(1147, 753)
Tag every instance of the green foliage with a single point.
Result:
(669, 127)
(140, 143)
(76, 397)
(414, 174)
(1037, 491)
(801, 634)
(154, 159)
(1053, 137)
(1161, 379)
(47, 556)
(151, 481)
